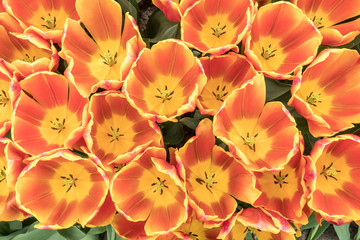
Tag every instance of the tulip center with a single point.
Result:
(2, 174)
(280, 179)
(159, 185)
(193, 236)
(313, 98)
(50, 22)
(209, 181)
(329, 171)
(69, 182)
(251, 229)
(218, 30)
(249, 141)
(3, 98)
(220, 93)
(318, 22)
(268, 52)
(28, 58)
(164, 94)
(118, 167)
(58, 125)
(114, 134)
(108, 59)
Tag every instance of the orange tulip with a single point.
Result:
(265, 225)
(46, 18)
(103, 57)
(285, 191)
(281, 40)
(149, 189)
(333, 175)
(9, 209)
(328, 16)
(48, 113)
(224, 73)
(262, 137)
(5, 102)
(60, 188)
(174, 9)
(116, 131)
(324, 94)
(26, 54)
(213, 177)
(216, 26)
(165, 81)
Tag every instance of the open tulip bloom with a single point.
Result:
(331, 18)
(333, 176)
(324, 94)
(103, 58)
(212, 120)
(48, 113)
(216, 26)
(282, 39)
(262, 137)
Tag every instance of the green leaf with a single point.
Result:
(173, 132)
(130, 6)
(91, 237)
(111, 234)
(316, 232)
(38, 234)
(12, 235)
(160, 28)
(4, 228)
(15, 226)
(57, 236)
(72, 233)
(311, 222)
(191, 123)
(357, 236)
(275, 88)
(343, 231)
(96, 230)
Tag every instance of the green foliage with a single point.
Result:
(173, 132)
(25, 231)
(111, 234)
(343, 231)
(275, 89)
(130, 6)
(318, 230)
(160, 28)
(357, 236)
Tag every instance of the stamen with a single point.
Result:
(28, 58)
(108, 59)
(50, 22)
(220, 93)
(280, 179)
(329, 171)
(209, 181)
(4, 99)
(313, 98)
(218, 30)
(3, 174)
(118, 167)
(268, 52)
(114, 134)
(318, 22)
(164, 95)
(159, 185)
(69, 182)
(249, 141)
(193, 236)
(58, 125)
